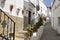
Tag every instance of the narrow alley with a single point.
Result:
(49, 33)
(29, 19)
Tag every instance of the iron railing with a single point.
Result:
(8, 27)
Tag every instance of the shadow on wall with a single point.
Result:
(25, 21)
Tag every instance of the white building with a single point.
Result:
(43, 8)
(48, 14)
(55, 16)
(23, 12)
(29, 12)
(23, 9)
(25, 5)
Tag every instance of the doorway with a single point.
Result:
(29, 17)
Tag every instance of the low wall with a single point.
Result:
(37, 35)
(19, 32)
(19, 22)
(25, 21)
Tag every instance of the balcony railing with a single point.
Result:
(7, 27)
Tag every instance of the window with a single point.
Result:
(59, 21)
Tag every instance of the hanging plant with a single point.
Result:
(11, 7)
(22, 11)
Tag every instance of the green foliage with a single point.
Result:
(33, 28)
(40, 22)
(29, 29)
(44, 18)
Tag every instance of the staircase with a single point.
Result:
(7, 27)
(8, 31)
(19, 32)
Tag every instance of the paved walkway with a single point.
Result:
(49, 34)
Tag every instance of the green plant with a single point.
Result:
(44, 18)
(29, 29)
(33, 28)
(39, 23)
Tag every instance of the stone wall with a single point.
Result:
(25, 21)
(20, 33)
(19, 23)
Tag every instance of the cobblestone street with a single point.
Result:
(49, 34)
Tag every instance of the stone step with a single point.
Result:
(19, 38)
(20, 35)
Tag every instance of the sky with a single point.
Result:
(47, 2)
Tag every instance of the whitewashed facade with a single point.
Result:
(22, 13)
(24, 5)
(55, 16)
(48, 14)
(41, 11)
(16, 4)
(43, 8)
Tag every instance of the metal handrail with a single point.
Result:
(6, 15)
(7, 25)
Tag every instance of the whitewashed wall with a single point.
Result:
(43, 8)
(55, 15)
(16, 4)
